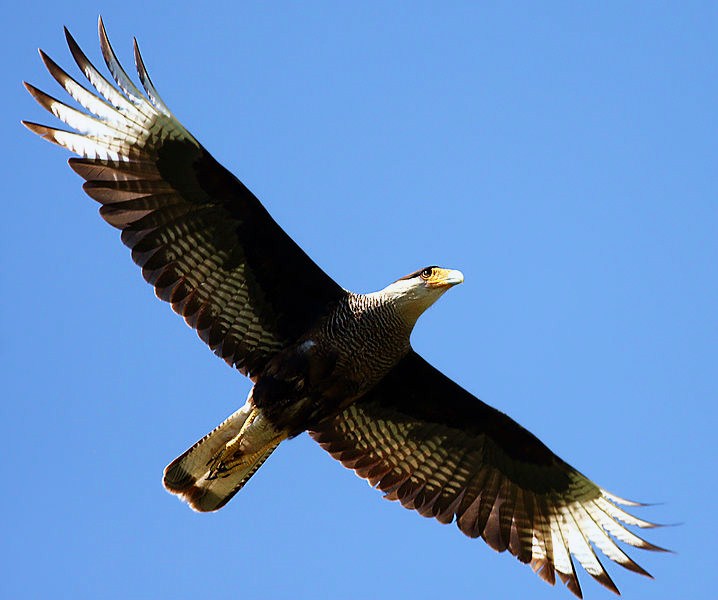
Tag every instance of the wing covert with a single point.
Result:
(426, 442)
(202, 239)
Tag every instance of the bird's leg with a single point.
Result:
(251, 442)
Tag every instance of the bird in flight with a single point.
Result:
(322, 359)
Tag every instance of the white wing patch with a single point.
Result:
(418, 464)
(114, 128)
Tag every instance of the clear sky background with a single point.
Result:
(562, 156)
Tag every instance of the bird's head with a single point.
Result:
(416, 292)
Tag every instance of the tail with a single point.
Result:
(212, 471)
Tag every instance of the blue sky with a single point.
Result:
(563, 157)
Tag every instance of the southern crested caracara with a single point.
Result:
(324, 360)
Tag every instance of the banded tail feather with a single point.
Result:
(214, 469)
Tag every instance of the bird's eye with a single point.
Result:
(426, 273)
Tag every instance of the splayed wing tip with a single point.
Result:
(42, 130)
(120, 76)
(45, 58)
(71, 41)
(570, 580)
(146, 81)
(622, 501)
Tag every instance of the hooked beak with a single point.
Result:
(448, 278)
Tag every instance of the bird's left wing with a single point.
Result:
(423, 440)
(203, 240)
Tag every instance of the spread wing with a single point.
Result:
(423, 440)
(203, 240)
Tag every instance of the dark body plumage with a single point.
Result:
(343, 356)
(322, 359)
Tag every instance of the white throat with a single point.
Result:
(410, 298)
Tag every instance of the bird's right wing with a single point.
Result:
(203, 240)
(426, 442)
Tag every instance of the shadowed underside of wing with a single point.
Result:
(202, 238)
(426, 442)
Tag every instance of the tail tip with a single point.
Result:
(176, 478)
(201, 499)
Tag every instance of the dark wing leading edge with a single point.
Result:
(423, 440)
(202, 238)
